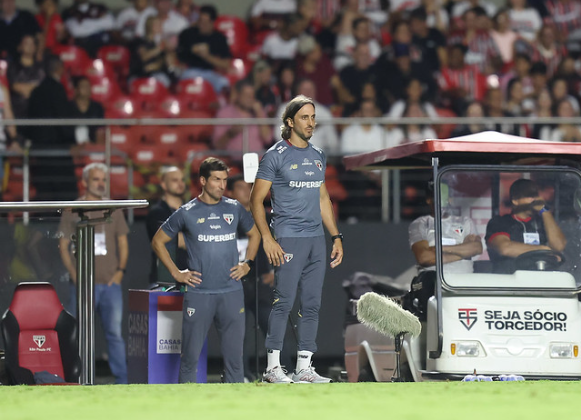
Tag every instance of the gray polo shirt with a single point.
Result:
(210, 235)
(297, 176)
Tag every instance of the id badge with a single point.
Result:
(531, 238)
(100, 244)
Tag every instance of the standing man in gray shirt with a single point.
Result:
(213, 292)
(294, 171)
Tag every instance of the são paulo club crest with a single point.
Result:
(288, 257)
(468, 317)
(229, 218)
(319, 164)
(191, 311)
(39, 339)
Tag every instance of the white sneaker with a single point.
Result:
(309, 376)
(276, 375)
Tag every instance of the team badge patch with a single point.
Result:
(229, 218)
(319, 164)
(39, 339)
(191, 311)
(468, 317)
(288, 257)
(459, 230)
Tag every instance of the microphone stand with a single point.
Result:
(398, 339)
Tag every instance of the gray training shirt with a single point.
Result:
(210, 235)
(297, 176)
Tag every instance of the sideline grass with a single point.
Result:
(434, 401)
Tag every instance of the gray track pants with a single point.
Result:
(226, 310)
(306, 272)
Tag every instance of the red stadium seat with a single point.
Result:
(238, 70)
(123, 138)
(97, 69)
(119, 107)
(39, 335)
(149, 154)
(197, 133)
(117, 57)
(197, 94)
(148, 92)
(171, 107)
(74, 58)
(104, 90)
(236, 33)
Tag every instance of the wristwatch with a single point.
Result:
(250, 263)
(338, 236)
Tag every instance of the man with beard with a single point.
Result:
(111, 253)
(173, 186)
(529, 227)
(213, 291)
(293, 170)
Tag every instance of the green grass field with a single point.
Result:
(446, 400)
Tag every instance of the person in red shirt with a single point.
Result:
(50, 22)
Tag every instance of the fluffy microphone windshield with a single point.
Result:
(385, 316)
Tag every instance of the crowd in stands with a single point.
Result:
(356, 58)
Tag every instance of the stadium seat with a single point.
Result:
(74, 58)
(117, 57)
(148, 92)
(238, 70)
(149, 154)
(170, 107)
(39, 335)
(197, 133)
(120, 106)
(236, 33)
(104, 90)
(198, 95)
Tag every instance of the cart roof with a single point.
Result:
(489, 147)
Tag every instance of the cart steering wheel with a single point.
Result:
(539, 260)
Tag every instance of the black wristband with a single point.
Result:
(250, 263)
(339, 236)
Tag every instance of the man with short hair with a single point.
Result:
(529, 227)
(111, 254)
(173, 187)
(205, 51)
(293, 170)
(213, 292)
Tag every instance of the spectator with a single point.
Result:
(460, 83)
(494, 108)
(243, 105)
(560, 92)
(325, 135)
(128, 18)
(409, 133)
(7, 133)
(268, 15)
(565, 15)
(516, 103)
(281, 45)
(566, 131)
(429, 43)
(473, 110)
(83, 107)
(173, 187)
(462, 6)
(347, 40)
(90, 25)
(364, 137)
(354, 76)
(53, 177)
(285, 81)
(14, 24)
(524, 20)
(548, 50)
(521, 70)
(309, 13)
(568, 71)
(414, 96)
(189, 10)
(482, 50)
(263, 83)
(149, 57)
(543, 109)
(436, 16)
(538, 78)
(205, 51)
(504, 36)
(51, 24)
(172, 23)
(111, 254)
(24, 74)
(312, 63)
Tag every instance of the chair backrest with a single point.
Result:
(39, 335)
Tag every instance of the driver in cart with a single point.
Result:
(529, 227)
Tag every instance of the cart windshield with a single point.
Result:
(511, 228)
